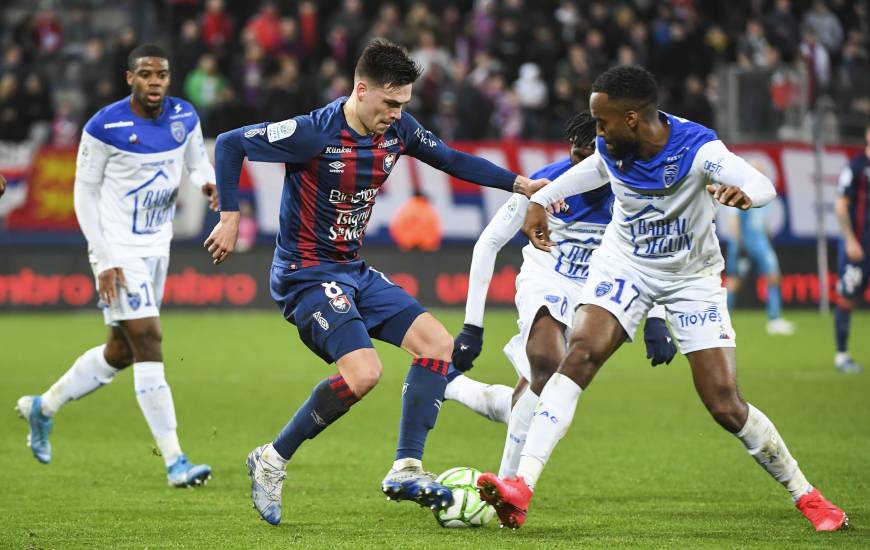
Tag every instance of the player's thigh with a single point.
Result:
(118, 352)
(545, 301)
(137, 298)
(697, 311)
(595, 336)
(144, 336)
(328, 320)
(394, 316)
(428, 338)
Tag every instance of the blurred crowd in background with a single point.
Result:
(509, 69)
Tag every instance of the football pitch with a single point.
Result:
(643, 465)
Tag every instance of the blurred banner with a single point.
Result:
(54, 278)
(40, 196)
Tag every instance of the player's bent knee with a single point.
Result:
(729, 413)
(118, 354)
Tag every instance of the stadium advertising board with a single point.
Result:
(39, 278)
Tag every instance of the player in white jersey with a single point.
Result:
(549, 288)
(667, 174)
(128, 172)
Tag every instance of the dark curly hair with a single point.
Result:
(145, 50)
(631, 82)
(387, 64)
(580, 129)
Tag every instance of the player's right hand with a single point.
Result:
(222, 240)
(854, 251)
(2, 185)
(108, 283)
(536, 227)
(467, 346)
(730, 196)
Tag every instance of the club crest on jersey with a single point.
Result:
(389, 162)
(340, 304)
(669, 175)
(603, 288)
(134, 300)
(178, 131)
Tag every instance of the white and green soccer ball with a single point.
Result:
(467, 509)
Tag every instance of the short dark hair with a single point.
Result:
(144, 50)
(631, 82)
(580, 129)
(387, 64)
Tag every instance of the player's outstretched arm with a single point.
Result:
(498, 232)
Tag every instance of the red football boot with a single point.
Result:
(509, 497)
(821, 512)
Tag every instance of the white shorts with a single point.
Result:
(696, 307)
(538, 287)
(141, 296)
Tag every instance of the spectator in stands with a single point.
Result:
(217, 26)
(824, 26)
(203, 86)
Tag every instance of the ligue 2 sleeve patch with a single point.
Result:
(280, 130)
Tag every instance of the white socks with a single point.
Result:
(490, 400)
(518, 429)
(765, 445)
(155, 400)
(89, 372)
(552, 418)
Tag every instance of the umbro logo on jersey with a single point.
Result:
(336, 167)
(119, 124)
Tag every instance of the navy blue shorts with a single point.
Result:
(853, 276)
(338, 308)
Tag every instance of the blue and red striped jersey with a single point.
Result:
(855, 184)
(333, 175)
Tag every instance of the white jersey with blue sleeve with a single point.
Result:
(663, 216)
(127, 176)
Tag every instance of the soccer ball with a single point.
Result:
(467, 509)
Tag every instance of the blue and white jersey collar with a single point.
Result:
(670, 166)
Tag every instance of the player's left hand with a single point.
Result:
(2, 185)
(528, 187)
(660, 347)
(536, 227)
(210, 191)
(730, 196)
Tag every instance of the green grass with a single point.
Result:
(643, 464)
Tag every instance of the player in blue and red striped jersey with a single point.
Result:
(853, 211)
(336, 160)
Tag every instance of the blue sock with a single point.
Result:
(329, 400)
(774, 302)
(842, 316)
(421, 401)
